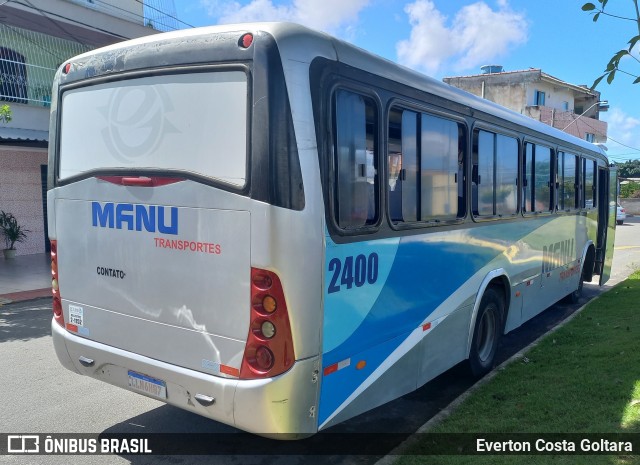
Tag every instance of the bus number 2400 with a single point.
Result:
(354, 270)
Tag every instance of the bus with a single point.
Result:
(277, 230)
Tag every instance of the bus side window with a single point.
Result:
(426, 160)
(483, 167)
(543, 183)
(356, 162)
(567, 181)
(495, 174)
(528, 179)
(537, 179)
(588, 183)
(439, 162)
(403, 165)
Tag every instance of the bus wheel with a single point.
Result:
(486, 333)
(574, 297)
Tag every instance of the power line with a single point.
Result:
(610, 138)
(55, 23)
(89, 26)
(130, 13)
(164, 13)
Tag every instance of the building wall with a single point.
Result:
(516, 90)
(506, 92)
(21, 194)
(46, 33)
(570, 122)
(632, 206)
(554, 97)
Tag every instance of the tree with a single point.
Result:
(613, 66)
(629, 169)
(630, 190)
(5, 113)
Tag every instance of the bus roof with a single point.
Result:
(299, 43)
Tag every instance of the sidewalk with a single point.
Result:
(25, 277)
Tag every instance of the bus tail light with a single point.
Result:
(55, 286)
(269, 350)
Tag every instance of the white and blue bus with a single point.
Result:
(277, 230)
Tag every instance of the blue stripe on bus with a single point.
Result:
(373, 320)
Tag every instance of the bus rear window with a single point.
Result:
(194, 122)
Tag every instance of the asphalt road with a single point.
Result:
(39, 396)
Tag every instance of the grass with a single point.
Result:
(583, 378)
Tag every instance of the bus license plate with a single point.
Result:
(148, 385)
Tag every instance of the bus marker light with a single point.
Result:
(268, 329)
(55, 285)
(72, 327)
(66, 68)
(517, 293)
(246, 40)
(426, 326)
(269, 304)
(361, 364)
(269, 348)
(262, 281)
(264, 358)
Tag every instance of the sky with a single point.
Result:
(444, 38)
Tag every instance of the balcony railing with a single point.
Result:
(561, 120)
(28, 63)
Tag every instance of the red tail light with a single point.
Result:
(269, 351)
(55, 285)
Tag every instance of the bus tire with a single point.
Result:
(486, 333)
(574, 297)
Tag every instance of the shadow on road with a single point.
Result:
(23, 321)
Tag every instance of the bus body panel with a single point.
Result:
(610, 230)
(156, 273)
(425, 318)
(236, 402)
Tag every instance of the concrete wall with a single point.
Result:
(21, 194)
(632, 206)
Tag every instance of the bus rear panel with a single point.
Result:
(161, 209)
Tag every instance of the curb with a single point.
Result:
(392, 456)
(24, 295)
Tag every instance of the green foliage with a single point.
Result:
(630, 190)
(5, 113)
(629, 169)
(11, 230)
(613, 67)
(582, 378)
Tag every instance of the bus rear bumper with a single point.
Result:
(283, 407)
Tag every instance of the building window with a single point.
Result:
(425, 156)
(565, 106)
(13, 76)
(590, 137)
(539, 98)
(355, 119)
(495, 174)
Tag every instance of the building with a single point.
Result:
(572, 108)
(36, 37)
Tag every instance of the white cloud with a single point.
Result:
(334, 16)
(476, 36)
(622, 128)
